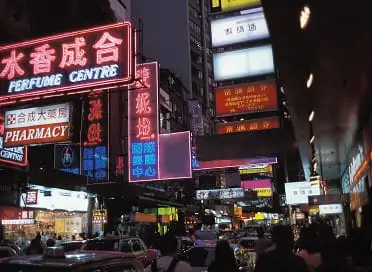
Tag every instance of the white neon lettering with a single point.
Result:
(6, 154)
(103, 72)
(26, 84)
(30, 134)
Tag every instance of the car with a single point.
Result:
(72, 246)
(201, 256)
(71, 262)
(6, 251)
(205, 237)
(131, 245)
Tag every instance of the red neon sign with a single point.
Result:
(95, 130)
(100, 56)
(32, 196)
(143, 125)
(16, 156)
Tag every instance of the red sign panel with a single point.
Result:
(38, 125)
(32, 196)
(143, 124)
(249, 125)
(246, 98)
(50, 66)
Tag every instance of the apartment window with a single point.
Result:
(200, 75)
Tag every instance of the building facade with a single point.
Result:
(187, 53)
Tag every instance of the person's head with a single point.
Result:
(168, 245)
(38, 236)
(73, 237)
(224, 253)
(59, 237)
(310, 241)
(282, 237)
(260, 233)
(50, 243)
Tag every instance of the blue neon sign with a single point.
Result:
(144, 160)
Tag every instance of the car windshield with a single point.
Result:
(105, 245)
(206, 235)
(200, 256)
(130, 246)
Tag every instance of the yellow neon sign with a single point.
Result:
(229, 5)
(263, 192)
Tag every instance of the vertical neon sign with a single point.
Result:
(143, 124)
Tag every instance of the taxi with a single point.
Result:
(56, 260)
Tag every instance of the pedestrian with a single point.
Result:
(169, 260)
(224, 258)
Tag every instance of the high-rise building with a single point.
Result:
(177, 34)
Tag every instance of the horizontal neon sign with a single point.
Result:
(99, 56)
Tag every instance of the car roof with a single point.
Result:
(115, 238)
(70, 259)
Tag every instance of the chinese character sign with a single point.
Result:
(248, 125)
(32, 197)
(100, 56)
(246, 98)
(39, 125)
(143, 125)
(220, 194)
(231, 5)
(96, 120)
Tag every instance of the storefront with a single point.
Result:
(47, 210)
(358, 182)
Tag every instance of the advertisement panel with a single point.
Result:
(51, 66)
(330, 209)
(358, 194)
(239, 29)
(231, 5)
(256, 169)
(248, 62)
(248, 125)
(246, 98)
(95, 139)
(38, 125)
(262, 187)
(15, 156)
(198, 165)
(67, 158)
(143, 125)
(54, 199)
(175, 156)
(220, 194)
(298, 192)
(328, 199)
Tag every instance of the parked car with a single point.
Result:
(134, 246)
(55, 259)
(6, 252)
(72, 246)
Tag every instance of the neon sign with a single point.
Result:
(95, 118)
(143, 125)
(67, 158)
(100, 56)
(16, 156)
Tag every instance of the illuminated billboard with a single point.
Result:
(143, 124)
(239, 29)
(37, 125)
(248, 62)
(80, 60)
(220, 194)
(261, 186)
(15, 156)
(231, 5)
(248, 125)
(246, 98)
